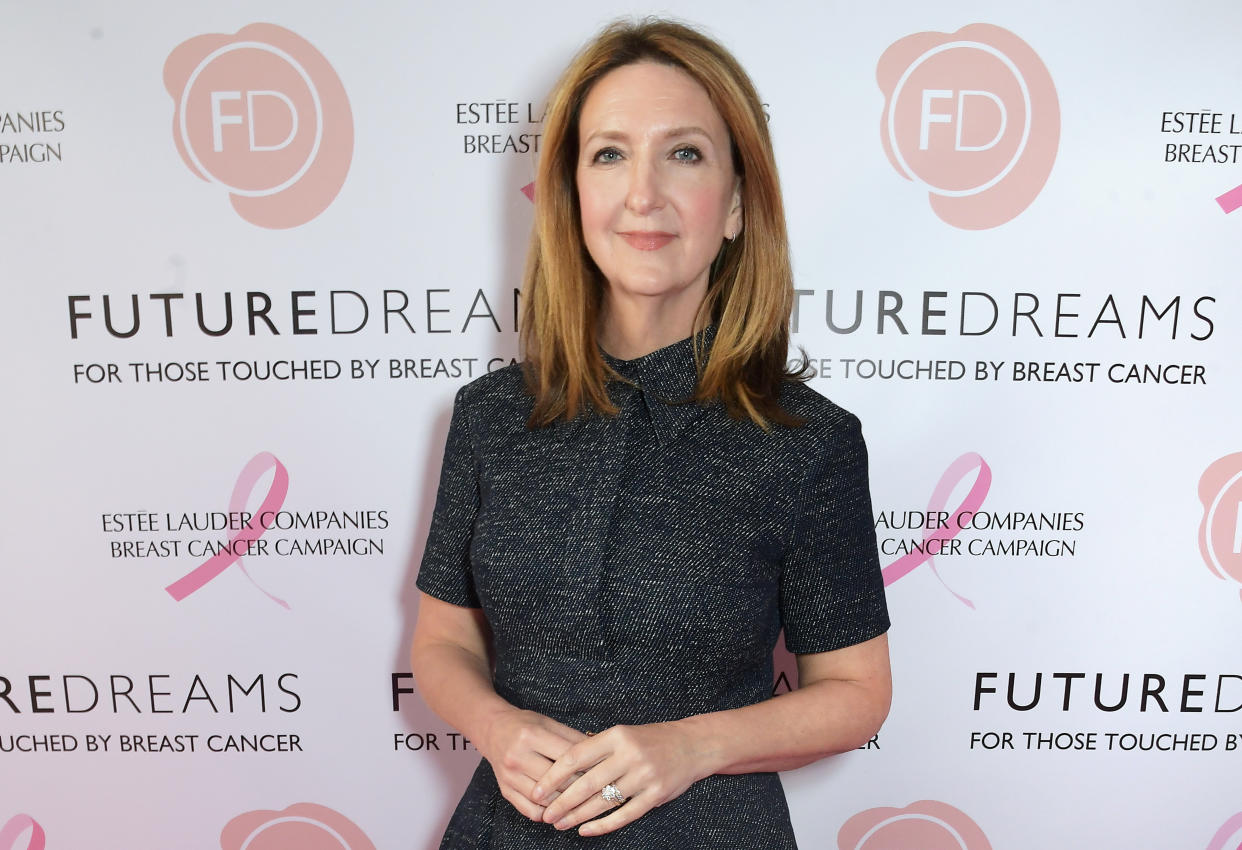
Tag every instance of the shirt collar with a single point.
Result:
(665, 377)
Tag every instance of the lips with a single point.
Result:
(647, 240)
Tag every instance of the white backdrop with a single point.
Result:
(1103, 533)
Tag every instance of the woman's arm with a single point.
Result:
(450, 659)
(842, 699)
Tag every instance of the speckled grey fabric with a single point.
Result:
(639, 568)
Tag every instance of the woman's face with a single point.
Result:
(655, 181)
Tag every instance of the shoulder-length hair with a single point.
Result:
(750, 288)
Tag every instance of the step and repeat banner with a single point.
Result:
(251, 250)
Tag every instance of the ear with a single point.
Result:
(733, 224)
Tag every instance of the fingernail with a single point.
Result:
(562, 824)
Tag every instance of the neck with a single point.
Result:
(632, 326)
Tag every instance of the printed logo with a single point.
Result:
(1231, 200)
(935, 535)
(302, 826)
(262, 114)
(927, 825)
(973, 118)
(248, 532)
(11, 834)
(502, 127)
(1228, 837)
(1220, 532)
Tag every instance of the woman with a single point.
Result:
(627, 520)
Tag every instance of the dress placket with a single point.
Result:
(616, 439)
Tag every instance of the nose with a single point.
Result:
(643, 194)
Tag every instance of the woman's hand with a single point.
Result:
(521, 746)
(649, 764)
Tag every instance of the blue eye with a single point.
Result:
(688, 153)
(607, 155)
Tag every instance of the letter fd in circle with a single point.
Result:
(973, 118)
(262, 115)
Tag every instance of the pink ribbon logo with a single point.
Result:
(15, 827)
(266, 515)
(954, 475)
(1229, 836)
(1231, 200)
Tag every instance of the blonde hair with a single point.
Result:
(750, 290)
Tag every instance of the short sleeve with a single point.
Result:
(445, 569)
(832, 592)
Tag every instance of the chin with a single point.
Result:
(650, 287)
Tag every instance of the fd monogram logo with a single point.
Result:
(263, 115)
(971, 117)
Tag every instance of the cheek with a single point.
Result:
(593, 216)
(595, 210)
(593, 235)
(708, 207)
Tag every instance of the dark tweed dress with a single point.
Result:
(639, 568)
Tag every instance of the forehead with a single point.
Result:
(648, 95)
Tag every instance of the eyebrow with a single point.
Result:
(674, 133)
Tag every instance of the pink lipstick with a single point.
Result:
(647, 240)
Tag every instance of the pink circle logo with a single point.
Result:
(973, 118)
(1220, 532)
(263, 115)
(302, 826)
(927, 825)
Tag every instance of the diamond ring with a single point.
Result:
(612, 794)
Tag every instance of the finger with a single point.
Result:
(578, 758)
(522, 803)
(567, 732)
(583, 794)
(547, 743)
(593, 807)
(630, 811)
(518, 789)
(523, 784)
(549, 798)
(530, 766)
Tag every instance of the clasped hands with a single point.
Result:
(554, 774)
